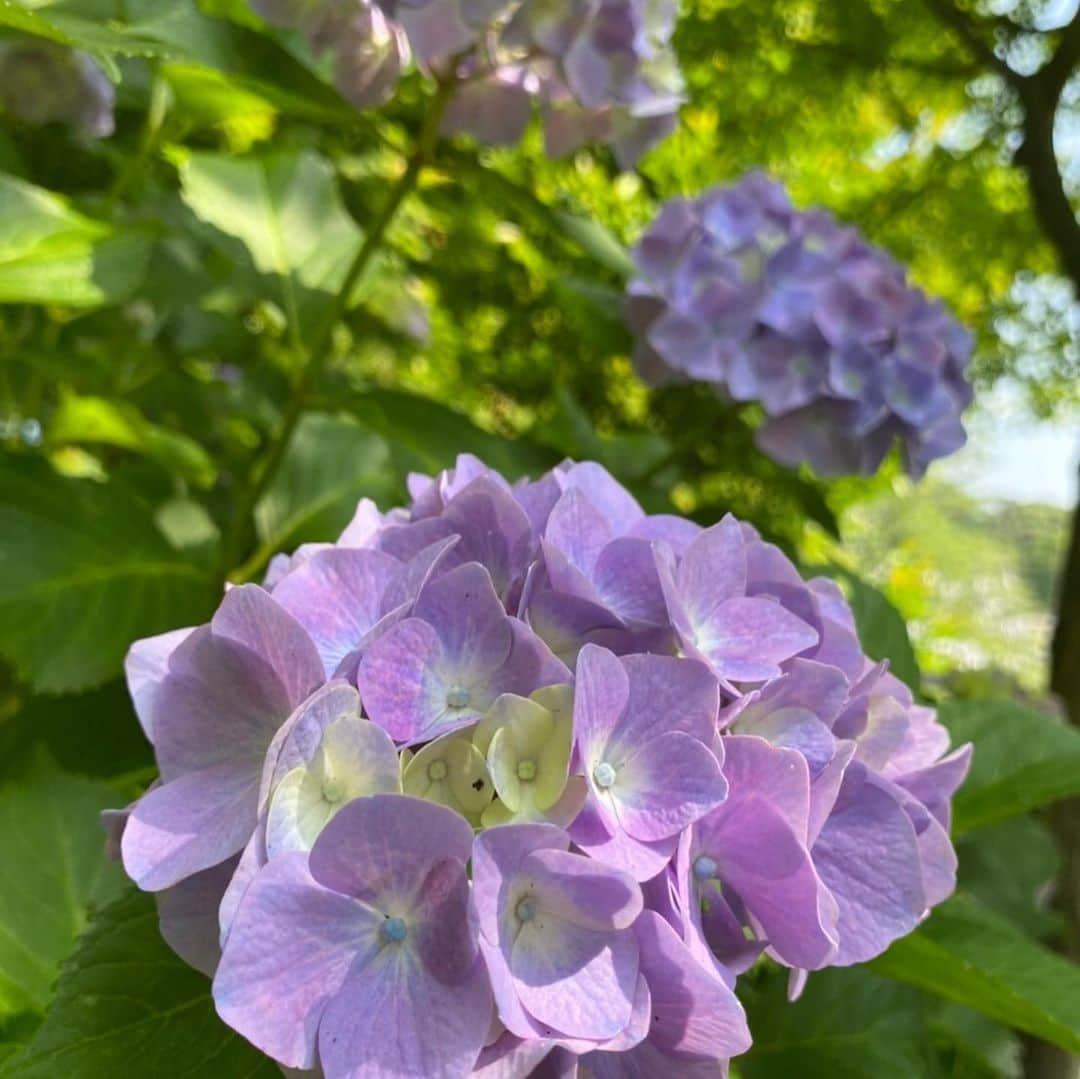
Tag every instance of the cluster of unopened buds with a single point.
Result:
(789, 309)
(599, 70)
(520, 777)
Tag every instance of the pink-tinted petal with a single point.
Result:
(467, 615)
(393, 1018)
(188, 916)
(712, 571)
(613, 847)
(754, 767)
(600, 697)
(385, 845)
(868, 855)
(667, 694)
(189, 824)
(251, 618)
(290, 950)
(586, 894)
(577, 531)
(746, 639)
(578, 981)
(145, 667)
(618, 506)
(669, 783)
(626, 580)
(693, 1011)
(337, 596)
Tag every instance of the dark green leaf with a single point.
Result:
(83, 573)
(53, 871)
(1023, 759)
(967, 954)
(127, 1008)
(330, 465)
(435, 434)
(848, 1024)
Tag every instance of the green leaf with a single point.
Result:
(49, 253)
(1023, 759)
(83, 573)
(330, 465)
(882, 630)
(967, 954)
(848, 1024)
(1010, 866)
(53, 871)
(434, 434)
(120, 423)
(94, 734)
(127, 1008)
(284, 208)
(103, 39)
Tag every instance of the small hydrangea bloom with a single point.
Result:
(597, 70)
(366, 948)
(408, 840)
(45, 83)
(741, 291)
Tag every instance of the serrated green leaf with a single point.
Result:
(83, 573)
(967, 954)
(1023, 759)
(49, 253)
(127, 1008)
(53, 871)
(121, 424)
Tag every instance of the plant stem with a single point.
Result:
(321, 348)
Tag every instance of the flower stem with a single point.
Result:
(318, 354)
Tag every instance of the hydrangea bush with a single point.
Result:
(520, 777)
(598, 70)
(796, 312)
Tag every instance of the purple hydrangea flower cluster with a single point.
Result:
(792, 310)
(45, 83)
(520, 777)
(598, 70)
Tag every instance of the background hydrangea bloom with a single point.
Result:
(599, 70)
(382, 792)
(45, 83)
(792, 310)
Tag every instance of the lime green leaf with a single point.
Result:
(119, 423)
(127, 1008)
(49, 253)
(286, 211)
(53, 871)
(83, 573)
(969, 955)
(330, 465)
(1023, 759)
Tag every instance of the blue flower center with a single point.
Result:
(526, 910)
(394, 929)
(705, 867)
(457, 696)
(603, 775)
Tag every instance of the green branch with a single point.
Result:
(318, 354)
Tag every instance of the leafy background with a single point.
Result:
(159, 292)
